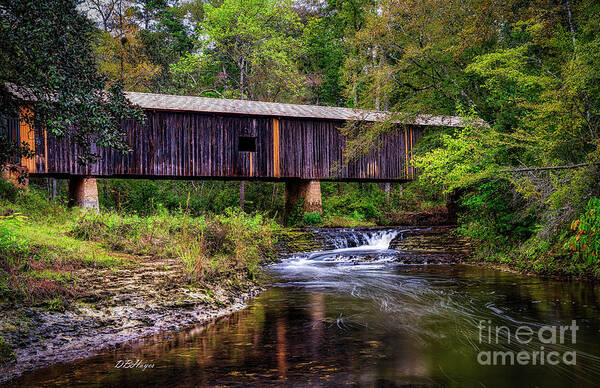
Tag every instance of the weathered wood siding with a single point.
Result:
(314, 149)
(10, 129)
(202, 145)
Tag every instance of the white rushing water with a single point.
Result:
(361, 239)
(350, 245)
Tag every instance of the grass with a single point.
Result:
(345, 222)
(38, 254)
(56, 276)
(52, 243)
(209, 247)
(6, 352)
(43, 244)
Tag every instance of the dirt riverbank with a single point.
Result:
(116, 306)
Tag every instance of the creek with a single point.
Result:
(360, 314)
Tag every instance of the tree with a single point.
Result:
(169, 38)
(122, 56)
(141, 39)
(47, 59)
(323, 59)
(104, 11)
(247, 49)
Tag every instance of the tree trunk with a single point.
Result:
(242, 194)
(388, 190)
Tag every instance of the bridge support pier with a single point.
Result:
(83, 192)
(306, 190)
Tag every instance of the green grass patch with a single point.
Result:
(6, 352)
(57, 276)
(38, 251)
(353, 221)
(209, 247)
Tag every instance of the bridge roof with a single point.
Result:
(259, 108)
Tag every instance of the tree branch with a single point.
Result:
(573, 166)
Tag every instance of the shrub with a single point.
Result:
(496, 216)
(312, 218)
(8, 191)
(586, 242)
(6, 352)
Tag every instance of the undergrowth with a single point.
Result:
(43, 244)
(209, 247)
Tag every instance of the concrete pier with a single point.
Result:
(306, 190)
(83, 192)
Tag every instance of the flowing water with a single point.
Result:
(354, 315)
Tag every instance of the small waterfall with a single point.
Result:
(360, 249)
(361, 239)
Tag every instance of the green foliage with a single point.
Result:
(192, 252)
(495, 216)
(150, 197)
(312, 218)
(208, 247)
(59, 277)
(33, 203)
(586, 241)
(528, 69)
(460, 159)
(11, 246)
(6, 352)
(35, 248)
(55, 304)
(324, 55)
(361, 202)
(251, 237)
(255, 44)
(46, 50)
(8, 191)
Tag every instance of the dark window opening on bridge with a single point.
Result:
(247, 144)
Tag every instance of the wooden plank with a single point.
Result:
(276, 169)
(27, 136)
(406, 152)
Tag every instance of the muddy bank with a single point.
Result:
(117, 306)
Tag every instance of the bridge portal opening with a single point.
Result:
(247, 144)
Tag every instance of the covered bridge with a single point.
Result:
(206, 138)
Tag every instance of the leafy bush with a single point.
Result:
(494, 216)
(6, 352)
(8, 191)
(312, 218)
(586, 242)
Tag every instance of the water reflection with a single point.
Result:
(361, 324)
